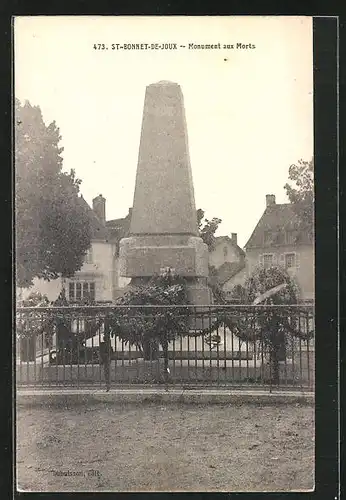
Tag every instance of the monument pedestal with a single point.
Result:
(187, 256)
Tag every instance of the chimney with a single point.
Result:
(234, 238)
(99, 207)
(270, 200)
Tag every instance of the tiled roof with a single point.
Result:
(229, 269)
(98, 229)
(119, 228)
(277, 219)
(112, 229)
(221, 239)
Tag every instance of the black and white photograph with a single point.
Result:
(164, 253)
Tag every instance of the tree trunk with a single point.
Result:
(274, 365)
(277, 353)
(165, 354)
(150, 349)
(64, 336)
(105, 352)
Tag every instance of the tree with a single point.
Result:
(30, 326)
(238, 295)
(265, 278)
(52, 226)
(300, 192)
(207, 228)
(146, 327)
(273, 326)
(276, 328)
(200, 217)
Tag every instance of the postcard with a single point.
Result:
(165, 278)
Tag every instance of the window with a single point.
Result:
(290, 260)
(290, 237)
(267, 260)
(81, 291)
(225, 251)
(280, 238)
(268, 237)
(89, 256)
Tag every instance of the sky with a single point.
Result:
(249, 111)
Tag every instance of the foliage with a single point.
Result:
(262, 326)
(270, 324)
(300, 192)
(273, 328)
(143, 326)
(200, 217)
(238, 295)
(36, 299)
(52, 226)
(29, 325)
(33, 323)
(207, 228)
(214, 285)
(264, 279)
(212, 340)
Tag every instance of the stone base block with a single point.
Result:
(145, 256)
(199, 295)
(149, 261)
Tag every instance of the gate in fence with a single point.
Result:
(224, 345)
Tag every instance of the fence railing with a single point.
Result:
(225, 345)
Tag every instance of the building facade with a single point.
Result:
(227, 259)
(99, 278)
(277, 240)
(226, 250)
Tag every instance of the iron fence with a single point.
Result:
(223, 345)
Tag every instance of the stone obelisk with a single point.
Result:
(163, 229)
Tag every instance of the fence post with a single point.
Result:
(105, 353)
(165, 354)
(150, 349)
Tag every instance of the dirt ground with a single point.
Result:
(156, 447)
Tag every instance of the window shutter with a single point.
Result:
(71, 295)
(261, 260)
(78, 291)
(297, 260)
(275, 259)
(92, 291)
(282, 260)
